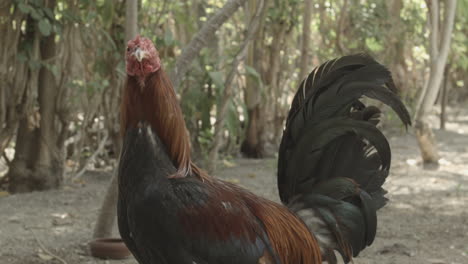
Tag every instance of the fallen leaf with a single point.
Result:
(233, 180)
(79, 181)
(60, 215)
(45, 257)
(4, 193)
(229, 164)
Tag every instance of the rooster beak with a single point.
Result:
(139, 54)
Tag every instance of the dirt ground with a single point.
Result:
(426, 220)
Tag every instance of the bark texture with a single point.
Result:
(304, 65)
(440, 47)
(16, 78)
(253, 143)
(39, 161)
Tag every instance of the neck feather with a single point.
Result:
(154, 101)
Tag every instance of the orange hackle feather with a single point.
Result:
(289, 236)
(157, 104)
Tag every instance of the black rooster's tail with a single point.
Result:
(332, 159)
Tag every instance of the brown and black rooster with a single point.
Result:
(331, 167)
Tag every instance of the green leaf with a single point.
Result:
(36, 14)
(108, 12)
(55, 70)
(45, 27)
(22, 57)
(373, 44)
(34, 65)
(105, 83)
(218, 80)
(49, 13)
(232, 120)
(24, 8)
(252, 72)
(168, 38)
(52, 68)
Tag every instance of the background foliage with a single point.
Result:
(88, 67)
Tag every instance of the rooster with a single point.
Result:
(331, 166)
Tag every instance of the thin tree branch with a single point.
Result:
(339, 30)
(438, 63)
(304, 64)
(160, 12)
(93, 156)
(199, 40)
(7, 160)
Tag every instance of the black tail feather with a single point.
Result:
(332, 158)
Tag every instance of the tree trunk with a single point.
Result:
(200, 40)
(439, 52)
(131, 20)
(106, 218)
(394, 53)
(38, 162)
(265, 104)
(304, 65)
(20, 170)
(340, 31)
(443, 97)
(281, 91)
(17, 79)
(50, 161)
(227, 92)
(253, 144)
